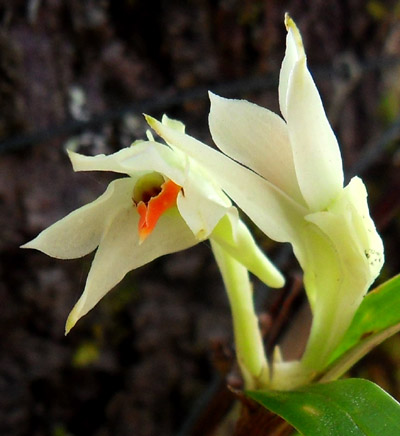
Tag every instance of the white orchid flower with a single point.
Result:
(168, 203)
(286, 174)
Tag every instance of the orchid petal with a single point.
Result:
(256, 138)
(270, 208)
(157, 157)
(315, 149)
(102, 162)
(119, 252)
(291, 56)
(174, 124)
(145, 156)
(344, 268)
(199, 203)
(349, 225)
(80, 232)
(368, 240)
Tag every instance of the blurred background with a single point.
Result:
(154, 357)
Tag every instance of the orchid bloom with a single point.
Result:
(168, 202)
(286, 175)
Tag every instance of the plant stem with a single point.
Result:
(249, 345)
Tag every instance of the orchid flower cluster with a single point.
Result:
(285, 173)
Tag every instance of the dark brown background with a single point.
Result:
(152, 355)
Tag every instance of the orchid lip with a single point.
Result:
(153, 195)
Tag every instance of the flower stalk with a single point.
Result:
(250, 352)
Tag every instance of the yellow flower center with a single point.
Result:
(152, 196)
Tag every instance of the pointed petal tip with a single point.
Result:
(31, 244)
(72, 319)
(74, 158)
(293, 30)
(72, 154)
(153, 123)
(216, 99)
(290, 24)
(213, 97)
(288, 20)
(69, 325)
(150, 120)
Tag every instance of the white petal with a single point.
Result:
(102, 162)
(257, 138)
(369, 240)
(200, 203)
(80, 232)
(143, 156)
(239, 243)
(174, 124)
(157, 157)
(340, 269)
(291, 56)
(270, 209)
(119, 252)
(315, 149)
(348, 223)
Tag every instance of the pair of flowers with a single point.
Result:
(284, 173)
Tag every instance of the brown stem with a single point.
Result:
(255, 420)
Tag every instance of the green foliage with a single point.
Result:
(377, 318)
(354, 407)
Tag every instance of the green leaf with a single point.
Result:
(377, 318)
(353, 407)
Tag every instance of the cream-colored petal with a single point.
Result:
(239, 243)
(200, 203)
(143, 156)
(80, 232)
(316, 151)
(369, 241)
(270, 208)
(119, 252)
(340, 272)
(102, 162)
(291, 57)
(157, 157)
(174, 124)
(257, 138)
(349, 225)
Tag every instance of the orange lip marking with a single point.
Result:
(151, 211)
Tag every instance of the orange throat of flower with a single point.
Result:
(151, 206)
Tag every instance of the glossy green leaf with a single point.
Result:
(377, 318)
(351, 407)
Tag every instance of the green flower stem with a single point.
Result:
(249, 345)
(329, 326)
